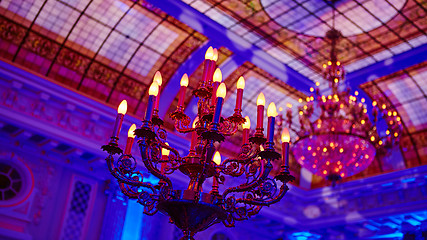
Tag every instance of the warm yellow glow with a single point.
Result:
(389, 113)
(260, 100)
(336, 80)
(285, 136)
(195, 121)
(384, 106)
(329, 63)
(261, 148)
(398, 119)
(317, 83)
(184, 80)
(300, 100)
(380, 142)
(341, 150)
(362, 100)
(123, 107)
(311, 98)
(325, 172)
(165, 151)
(396, 134)
(221, 91)
(301, 113)
(372, 138)
(325, 149)
(288, 105)
(309, 148)
(327, 163)
(158, 78)
(209, 54)
(247, 124)
(280, 109)
(154, 89)
(311, 89)
(305, 107)
(271, 110)
(374, 103)
(241, 83)
(215, 55)
(338, 63)
(217, 77)
(131, 133)
(307, 99)
(395, 113)
(362, 121)
(387, 132)
(217, 158)
(356, 93)
(324, 65)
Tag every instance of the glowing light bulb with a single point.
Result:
(247, 124)
(271, 110)
(221, 91)
(184, 80)
(165, 151)
(131, 133)
(123, 107)
(154, 89)
(217, 158)
(241, 83)
(209, 54)
(217, 76)
(285, 136)
(158, 78)
(215, 55)
(195, 121)
(260, 100)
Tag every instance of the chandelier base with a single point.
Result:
(192, 216)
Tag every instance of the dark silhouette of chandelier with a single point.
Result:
(336, 138)
(193, 209)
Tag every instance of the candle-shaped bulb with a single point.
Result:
(158, 78)
(285, 135)
(215, 54)
(271, 110)
(195, 121)
(260, 100)
(241, 83)
(247, 124)
(165, 151)
(209, 53)
(221, 91)
(123, 107)
(217, 158)
(217, 77)
(184, 80)
(131, 131)
(154, 89)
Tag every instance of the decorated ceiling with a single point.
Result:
(109, 50)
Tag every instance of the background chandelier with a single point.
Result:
(336, 138)
(194, 209)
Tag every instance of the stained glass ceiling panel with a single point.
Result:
(292, 30)
(109, 49)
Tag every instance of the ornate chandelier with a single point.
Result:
(342, 140)
(194, 209)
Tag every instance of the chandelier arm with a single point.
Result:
(228, 128)
(118, 174)
(148, 163)
(262, 202)
(247, 186)
(236, 167)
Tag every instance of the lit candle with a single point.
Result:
(217, 158)
(131, 137)
(260, 102)
(184, 84)
(152, 91)
(220, 95)
(246, 126)
(165, 157)
(217, 79)
(215, 55)
(207, 65)
(240, 87)
(285, 146)
(121, 111)
(158, 79)
(271, 113)
(194, 135)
